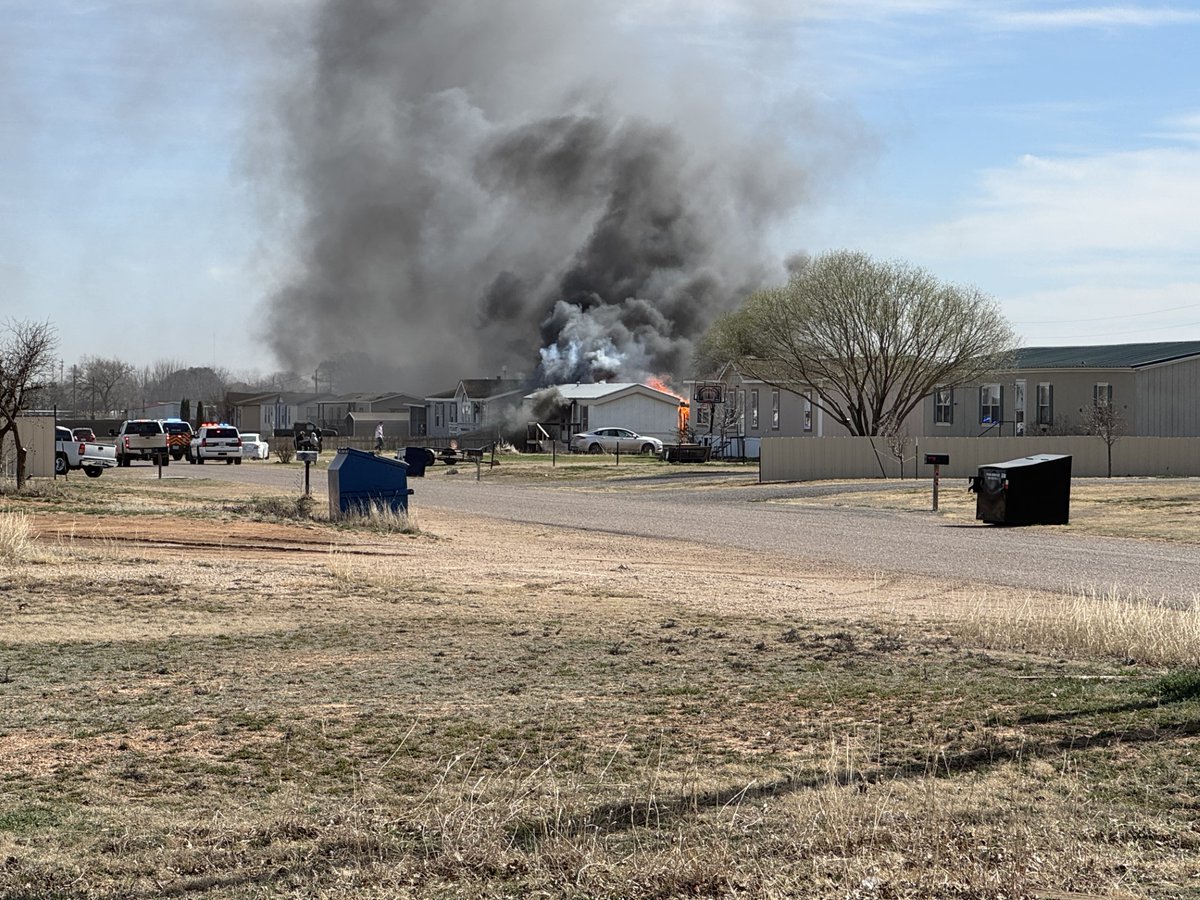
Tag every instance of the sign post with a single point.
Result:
(937, 460)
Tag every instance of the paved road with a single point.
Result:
(741, 516)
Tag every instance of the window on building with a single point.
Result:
(704, 415)
(943, 406)
(807, 406)
(1019, 406)
(754, 410)
(1102, 394)
(741, 407)
(775, 410)
(991, 410)
(437, 415)
(453, 413)
(1045, 403)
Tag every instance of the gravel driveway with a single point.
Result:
(873, 541)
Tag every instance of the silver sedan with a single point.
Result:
(608, 440)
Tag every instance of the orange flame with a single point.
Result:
(685, 418)
(657, 382)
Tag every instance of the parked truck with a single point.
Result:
(71, 454)
(142, 439)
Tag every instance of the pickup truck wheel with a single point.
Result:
(177, 455)
(92, 471)
(229, 462)
(237, 461)
(61, 466)
(199, 460)
(166, 459)
(122, 461)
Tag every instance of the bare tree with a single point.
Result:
(104, 379)
(896, 435)
(869, 339)
(200, 382)
(162, 369)
(1103, 420)
(26, 364)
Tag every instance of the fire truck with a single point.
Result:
(179, 437)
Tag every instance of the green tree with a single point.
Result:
(869, 339)
(185, 409)
(199, 411)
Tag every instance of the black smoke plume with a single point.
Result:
(516, 184)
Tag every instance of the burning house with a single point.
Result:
(566, 409)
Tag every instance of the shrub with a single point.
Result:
(1173, 687)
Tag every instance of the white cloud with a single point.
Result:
(1091, 17)
(1185, 127)
(1141, 202)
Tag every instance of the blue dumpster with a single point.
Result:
(359, 480)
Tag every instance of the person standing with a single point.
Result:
(379, 437)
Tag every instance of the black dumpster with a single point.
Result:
(359, 480)
(1033, 490)
(418, 459)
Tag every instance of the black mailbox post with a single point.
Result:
(1033, 490)
(937, 460)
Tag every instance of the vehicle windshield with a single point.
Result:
(222, 432)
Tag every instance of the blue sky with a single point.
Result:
(1047, 153)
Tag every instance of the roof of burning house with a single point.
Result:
(603, 390)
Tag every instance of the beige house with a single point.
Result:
(1153, 388)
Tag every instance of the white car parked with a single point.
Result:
(254, 447)
(608, 440)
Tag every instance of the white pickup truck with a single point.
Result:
(72, 454)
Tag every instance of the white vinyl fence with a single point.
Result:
(813, 459)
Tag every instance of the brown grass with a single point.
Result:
(268, 707)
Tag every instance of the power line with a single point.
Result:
(1107, 318)
(1122, 332)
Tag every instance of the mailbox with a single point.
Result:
(937, 459)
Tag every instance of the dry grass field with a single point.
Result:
(207, 690)
(1159, 509)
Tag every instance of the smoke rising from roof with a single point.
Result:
(516, 183)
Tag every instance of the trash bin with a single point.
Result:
(1033, 490)
(418, 459)
(359, 480)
